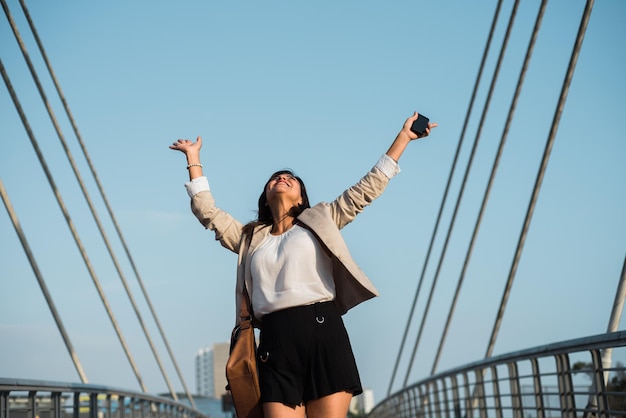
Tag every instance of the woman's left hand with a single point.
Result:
(405, 136)
(406, 129)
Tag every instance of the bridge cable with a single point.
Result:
(109, 209)
(544, 163)
(443, 202)
(494, 169)
(38, 275)
(28, 129)
(459, 198)
(618, 303)
(58, 195)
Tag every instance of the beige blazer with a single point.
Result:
(324, 219)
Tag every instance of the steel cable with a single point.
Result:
(57, 194)
(445, 195)
(463, 183)
(109, 208)
(39, 276)
(494, 169)
(544, 163)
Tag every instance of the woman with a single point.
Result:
(301, 279)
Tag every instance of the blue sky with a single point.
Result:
(322, 88)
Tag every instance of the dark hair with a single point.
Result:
(264, 214)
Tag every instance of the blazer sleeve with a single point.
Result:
(228, 230)
(352, 201)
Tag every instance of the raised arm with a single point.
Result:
(228, 230)
(405, 136)
(192, 152)
(352, 201)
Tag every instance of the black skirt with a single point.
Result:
(304, 354)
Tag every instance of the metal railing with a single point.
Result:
(41, 399)
(574, 378)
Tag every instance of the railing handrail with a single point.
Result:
(593, 343)
(16, 385)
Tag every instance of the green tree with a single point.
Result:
(616, 386)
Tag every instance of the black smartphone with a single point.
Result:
(420, 125)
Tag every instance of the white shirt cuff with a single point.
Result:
(388, 166)
(197, 185)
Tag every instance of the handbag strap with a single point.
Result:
(245, 313)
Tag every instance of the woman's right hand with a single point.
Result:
(188, 147)
(192, 152)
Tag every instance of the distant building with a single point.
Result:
(363, 403)
(210, 370)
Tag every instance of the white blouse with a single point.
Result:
(291, 269)
(297, 274)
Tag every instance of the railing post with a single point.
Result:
(55, 400)
(418, 396)
(479, 393)
(404, 404)
(93, 405)
(446, 400)
(516, 394)
(497, 402)
(427, 404)
(107, 406)
(133, 407)
(120, 407)
(436, 400)
(598, 401)
(4, 404)
(468, 396)
(76, 403)
(539, 405)
(566, 387)
(32, 404)
(456, 400)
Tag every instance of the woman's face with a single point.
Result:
(284, 185)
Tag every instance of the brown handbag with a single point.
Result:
(241, 368)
